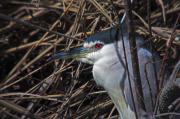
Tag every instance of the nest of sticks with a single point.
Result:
(31, 31)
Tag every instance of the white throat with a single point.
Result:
(108, 72)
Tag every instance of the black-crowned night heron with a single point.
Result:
(110, 73)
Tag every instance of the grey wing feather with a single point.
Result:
(148, 79)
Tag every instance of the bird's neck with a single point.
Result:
(109, 73)
(122, 107)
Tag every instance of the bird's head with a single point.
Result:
(92, 49)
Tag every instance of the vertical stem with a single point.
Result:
(167, 51)
(150, 41)
(119, 56)
(134, 57)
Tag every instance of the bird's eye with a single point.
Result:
(98, 45)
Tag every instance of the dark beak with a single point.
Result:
(75, 53)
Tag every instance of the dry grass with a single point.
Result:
(32, 87)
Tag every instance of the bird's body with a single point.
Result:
(110, 73)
